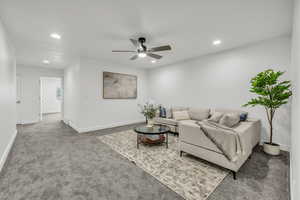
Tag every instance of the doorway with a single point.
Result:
(51, 98)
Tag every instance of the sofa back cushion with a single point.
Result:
(199, 114)
(177, 108)
(226, 111)
(243, 114)
(215, 117)
(230, 119)
(181, 115)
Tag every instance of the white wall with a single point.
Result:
(71, 95)
(7, 95)
(92, 112)
(50, 102)
(295, 151)
(29, 109)
(222, 80)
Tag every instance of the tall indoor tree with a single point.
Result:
(272, 94)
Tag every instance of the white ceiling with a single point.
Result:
(95, 27)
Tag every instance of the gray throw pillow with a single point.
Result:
(230, 119)
(216, 116)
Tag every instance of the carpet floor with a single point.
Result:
(49, 160)
(188, 176)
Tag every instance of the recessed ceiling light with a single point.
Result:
(142, 55)
(153, 61)
(217, 42)
(55, 36)
(46, 61)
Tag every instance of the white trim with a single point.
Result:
(7, 150)
(71, 124)
(283, 147)
(30, 122)
(100, 127)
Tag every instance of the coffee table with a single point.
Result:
(155, 130)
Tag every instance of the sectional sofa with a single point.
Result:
(194, 141)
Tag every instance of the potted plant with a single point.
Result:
(272, 94)
(149, 111)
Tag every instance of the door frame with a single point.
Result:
(40, 95)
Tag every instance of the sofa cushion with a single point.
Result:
(230, 119)
(160, 120)
(178, 108)
(225, 111)
(188, 121)
(168, 113)
(181, 115)
(216, 116)
(199, 114)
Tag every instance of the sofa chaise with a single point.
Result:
(193, 140)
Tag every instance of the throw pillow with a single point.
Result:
(162, 112)
(181, 115)
(199, 114)
(230, 119)
(216, 116)
(168, 113)
(243, 117)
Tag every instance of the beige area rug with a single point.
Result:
(190, 177)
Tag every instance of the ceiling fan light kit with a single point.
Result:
(142, 51)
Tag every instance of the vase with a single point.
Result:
(271, 149)
(150, 123)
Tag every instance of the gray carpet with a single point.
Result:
(51, 161)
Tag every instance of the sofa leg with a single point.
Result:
(234, 175)
(181, 153)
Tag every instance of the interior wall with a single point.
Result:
(71, 94)
(222, 80)
(29, 108)
(7, 95)
(295, 151)
(50, 102)
(97, 113)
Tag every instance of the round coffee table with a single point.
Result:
(155, 130)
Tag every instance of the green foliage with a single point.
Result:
(271, 92)
(148, 110)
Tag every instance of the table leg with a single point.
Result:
(137, 140)
(167, 140)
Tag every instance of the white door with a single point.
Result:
(19, 99)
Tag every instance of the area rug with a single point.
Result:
(188, 176)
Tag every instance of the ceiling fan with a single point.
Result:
(142, 51)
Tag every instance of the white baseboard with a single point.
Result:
(71, 124)
(29, 122)
(95, 128)
(7, 150)
(283, 147)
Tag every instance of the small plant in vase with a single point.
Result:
(149, 111)
(272, 94)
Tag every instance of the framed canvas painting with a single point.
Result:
(119, 86)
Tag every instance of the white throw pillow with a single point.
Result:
(181, 115)
(216, 116)
(230, 119)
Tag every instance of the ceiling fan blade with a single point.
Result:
(122, 51)
(135, 43)
(134, 57)
(161, 48)
(156, 56)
